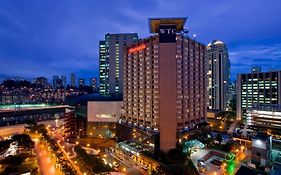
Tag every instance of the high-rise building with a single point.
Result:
(41, 81)
(57, 82)
(165, 84)
(73, 80)
(93, 84)
(81, 82)
(218, 75)
(63, 80)
(111, 61)
(257, 88)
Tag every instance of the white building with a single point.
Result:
(104, 111)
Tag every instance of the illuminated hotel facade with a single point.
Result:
(111, 61)
(165, 83)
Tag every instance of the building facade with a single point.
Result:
(111, 61)
(218, 75)
(265, 117)
(165, 83)
(257, 88)
(73, 80)
(57, 82)
(81, 82)
(261, 151)
(93, 83)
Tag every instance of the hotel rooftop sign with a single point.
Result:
(166, 28)
(154, 23)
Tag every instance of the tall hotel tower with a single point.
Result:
(218, 75)
(111, 61)
(165, 86)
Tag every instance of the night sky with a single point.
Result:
(55, 37)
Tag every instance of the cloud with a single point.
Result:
(266, 56)
(58, 37)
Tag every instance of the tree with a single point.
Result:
(13, 160)
(219, 138)
(23, 140)
(232, 104)
(175, 156)
(227, 115)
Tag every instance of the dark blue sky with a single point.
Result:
(49, 37)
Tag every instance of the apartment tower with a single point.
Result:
(111, 61)
(218, 75)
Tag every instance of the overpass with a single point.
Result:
(16, 112)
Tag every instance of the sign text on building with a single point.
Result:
(137, 48)
(167, 33)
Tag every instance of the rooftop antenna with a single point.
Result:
(185, 32)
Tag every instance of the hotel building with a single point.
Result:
(165, 85)
(257, 88)
(111, 61)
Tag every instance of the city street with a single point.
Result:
(46, 161)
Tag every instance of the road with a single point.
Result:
(6, 131)
(45, 162)
(132, 169)
(70, 161)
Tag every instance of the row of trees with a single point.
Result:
(92, 161)
(15, 163)
(227, 116)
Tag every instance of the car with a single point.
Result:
(145, 167)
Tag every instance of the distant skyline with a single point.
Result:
(48, 37)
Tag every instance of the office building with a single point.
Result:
(102, 116)
(218, 75)
(165, 85)
(93, 84)
(257, 88)
(42, 82)
(265, 117)
(111, 61)
(73, 80)
(81, 82)
(63, 80)
(57, 82)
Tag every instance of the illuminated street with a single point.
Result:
(46, 161)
